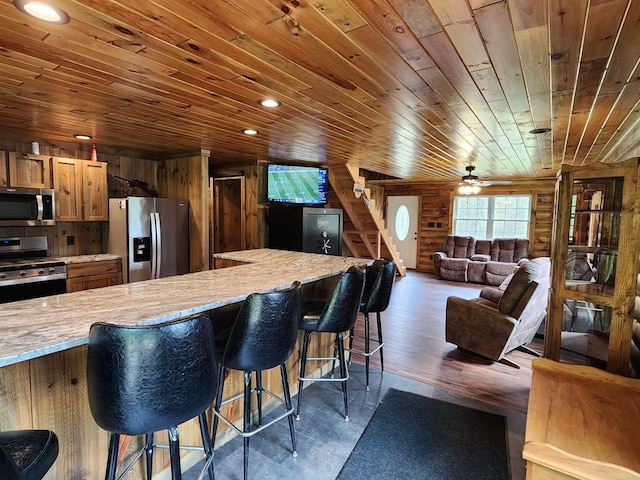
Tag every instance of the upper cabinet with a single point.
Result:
(80, 190)
(595, 249)
(20, 170)
(95, 195)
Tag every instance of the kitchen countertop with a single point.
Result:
(97, 257)
(37, 327)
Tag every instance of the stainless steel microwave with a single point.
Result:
(26, 207)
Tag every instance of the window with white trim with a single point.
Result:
(492, 216)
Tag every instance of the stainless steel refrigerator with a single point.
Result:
(151, 235)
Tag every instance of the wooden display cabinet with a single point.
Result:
(596, 223)
(81, 190)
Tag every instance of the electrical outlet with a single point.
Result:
(70, 239)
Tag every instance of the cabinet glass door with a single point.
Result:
(592, 254)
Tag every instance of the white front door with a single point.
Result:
(402, 222)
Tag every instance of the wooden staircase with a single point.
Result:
(364, 231)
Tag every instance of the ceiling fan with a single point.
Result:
(471, 179)
(471, 184)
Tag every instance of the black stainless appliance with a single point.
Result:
(26, 207)
(27, 272)
(306, 229)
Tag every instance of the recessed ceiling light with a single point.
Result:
(42, 10)
(81, 136)
(538, 131)
(269, 103)
(250, 131)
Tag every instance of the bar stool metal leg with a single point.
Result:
(303, 367)
(288, 406)
(149, 454)
(174, 453)
(206, 443)
(259, 395)
(218, 404)
(112, 459)
(366, 350)
(380, 342)
(343, 374)
(247, 421)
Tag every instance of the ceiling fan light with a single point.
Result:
(469, 189)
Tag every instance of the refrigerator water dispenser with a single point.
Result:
(142, 249)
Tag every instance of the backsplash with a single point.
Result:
(67, 238)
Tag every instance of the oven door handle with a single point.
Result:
(27, 280)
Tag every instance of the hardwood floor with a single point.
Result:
(417, 359)
(414, 345)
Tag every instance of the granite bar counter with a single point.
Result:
(43, 347)
(96, 257)
(36, 327)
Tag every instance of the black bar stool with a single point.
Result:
(377, 292)
(263, 337)
(143, 379)
(27, 454)
(336, 316)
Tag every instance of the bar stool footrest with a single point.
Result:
(260, 427)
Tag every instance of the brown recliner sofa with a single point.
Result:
(499, 321)
(465, 259)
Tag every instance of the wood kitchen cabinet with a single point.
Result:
(81, 190)
(88, 275)
(22, 170)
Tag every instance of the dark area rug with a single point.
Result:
(415, 437)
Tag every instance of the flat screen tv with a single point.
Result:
(297, 185)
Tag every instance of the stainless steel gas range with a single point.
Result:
(27, 272)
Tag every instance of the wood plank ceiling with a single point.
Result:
(415, 89)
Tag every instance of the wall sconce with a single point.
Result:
(358, 189)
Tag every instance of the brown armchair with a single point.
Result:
(498, 322)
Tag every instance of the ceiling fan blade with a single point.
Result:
(488, 183)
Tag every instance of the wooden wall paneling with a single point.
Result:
(87, 238)
(188, 178)
(60, 403)
(129, 168)
(4, 169)
(15, 392)
(256, 207)
(436, 215)
(543, 226)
